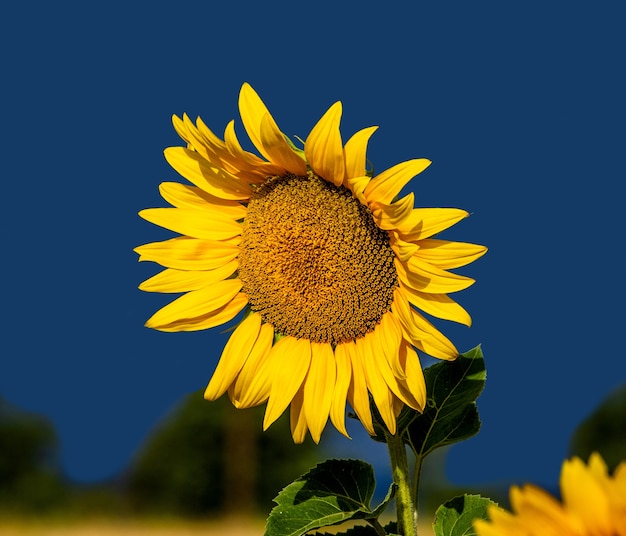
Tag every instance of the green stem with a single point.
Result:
(377, 527)
(417, 472)
(407, 516)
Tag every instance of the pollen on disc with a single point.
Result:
(313, 262)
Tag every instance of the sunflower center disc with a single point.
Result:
(313, 262)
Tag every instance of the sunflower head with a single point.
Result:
(332, 270)
(593, 504)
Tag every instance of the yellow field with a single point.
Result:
(234, 527)
(229, 527)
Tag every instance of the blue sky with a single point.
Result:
(520, 107)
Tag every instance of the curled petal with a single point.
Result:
(279, 150)
(386, 186)
(211, 179)
(253, 110)
(323, 147)
(355, 152)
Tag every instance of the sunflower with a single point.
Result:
(328, 265)
(594, 504)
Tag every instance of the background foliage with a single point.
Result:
(603, 431)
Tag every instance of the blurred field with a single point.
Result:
(229, 527)
(233, 527)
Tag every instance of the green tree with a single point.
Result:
(30, 480)
(208, 457)
(603, 431)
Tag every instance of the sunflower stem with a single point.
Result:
(417, 473)
(377, 527)
(407, 514)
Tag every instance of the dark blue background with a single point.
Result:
(519, 105)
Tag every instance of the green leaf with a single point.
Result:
(391, 528)
(450, 415)
(359, 530)
(455, 517)
(332, 492)
(381, 507)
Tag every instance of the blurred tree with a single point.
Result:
(603, 431)
(30, 479)
(208, 457)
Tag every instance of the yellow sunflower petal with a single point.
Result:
(393, 216)
(279, 150)
(211, 179)
(181, 129)
(319, 387)
(192, 222)
(323, 147)
(502, 524)
(297, 417)
(357, 390)
(386, 186)
(252, 385)
(381, 363)
(414, 375)
(357, 187)
(171, 280)
(403, 250)
(539, 512)
(390, 334)
(187, 131)
(184, 253)
(195, 304)
(430, 340)
(376, 384)
(234, 356)
(355, 152)
(439, 306)
(184, 196)
(447, 255)
(598, 467)
(424, 277)
(256, 169)
(211, 319)
(340, 393)
(290, 359)
(206, 144)
(245, 166)
(426, 222)
(583, 494)
(421, 333)
(252, 110)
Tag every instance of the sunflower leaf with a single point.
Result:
(359, 530)
(454, 518)
(332, 492)
(451, 414)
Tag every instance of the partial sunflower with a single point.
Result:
(593, 504)
(329, 266)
